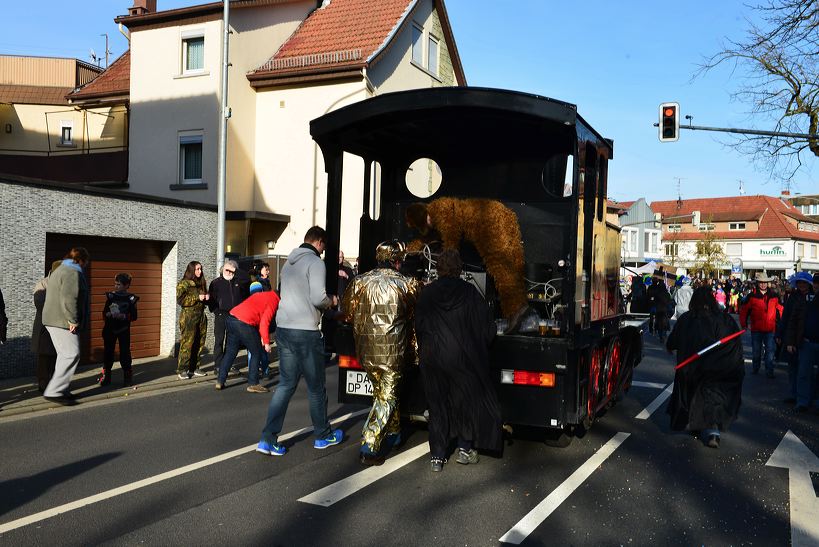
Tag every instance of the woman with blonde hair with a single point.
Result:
(191, 295)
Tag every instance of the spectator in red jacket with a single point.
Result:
(763, 309)
(248, 325)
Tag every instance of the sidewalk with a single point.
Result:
(20, 395)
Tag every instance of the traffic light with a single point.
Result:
(669, 122)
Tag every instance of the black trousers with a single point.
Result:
(110, 339)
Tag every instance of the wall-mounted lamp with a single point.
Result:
(270, 245)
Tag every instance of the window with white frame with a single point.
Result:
(672, 249)
(706, 227)
(66, 133)
(674, 228)
(736, 226)
(733, 249)
(651, 241)
(193, 54)
(629, 236)
(417, 45)
(190, 159)
(432, 54)
(800, 250)
(813, 251)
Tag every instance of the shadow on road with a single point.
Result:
(18, 492)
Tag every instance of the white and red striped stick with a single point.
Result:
(709, 348)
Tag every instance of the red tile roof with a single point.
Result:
(114, 82)
(771, 212)
(345, 35)
(33, 94)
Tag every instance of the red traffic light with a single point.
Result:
(669, 122)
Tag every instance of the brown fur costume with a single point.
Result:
(491, 227)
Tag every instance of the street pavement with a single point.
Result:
(175, 466)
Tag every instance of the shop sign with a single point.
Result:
(776, 250)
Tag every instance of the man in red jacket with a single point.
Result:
(763, 309)
(248, 325)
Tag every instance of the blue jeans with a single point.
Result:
(301, 352)
(241, 334)
(805, 376)
(759, 339)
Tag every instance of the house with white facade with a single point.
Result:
(291, 61)
(641, 233)
(757, 233)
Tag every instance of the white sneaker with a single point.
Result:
(184, 376)
(199, 373)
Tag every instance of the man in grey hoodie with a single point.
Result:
(300, 345)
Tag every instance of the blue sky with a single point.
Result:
(617, 61)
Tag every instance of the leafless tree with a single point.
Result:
(778, 58)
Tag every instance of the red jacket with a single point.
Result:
(258, 310)
(763, 310)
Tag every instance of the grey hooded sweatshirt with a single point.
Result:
(303, 294)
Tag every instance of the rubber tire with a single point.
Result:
(560, 438)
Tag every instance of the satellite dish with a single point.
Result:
(93, 56)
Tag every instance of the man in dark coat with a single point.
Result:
(454, 330)
(226, 292)
(708, 391)
(660, 300)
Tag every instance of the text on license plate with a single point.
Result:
(358, 383)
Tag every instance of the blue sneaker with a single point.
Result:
(271, 449)
(335, 437)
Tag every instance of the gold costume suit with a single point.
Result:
(380, 305)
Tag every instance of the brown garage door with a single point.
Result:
(110, 256)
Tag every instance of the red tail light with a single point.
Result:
(348, 361)
(528, 378)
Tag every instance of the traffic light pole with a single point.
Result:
(747, 131)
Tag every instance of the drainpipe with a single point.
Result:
(221, 184)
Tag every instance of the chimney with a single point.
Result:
(142, 7)
(786, 194)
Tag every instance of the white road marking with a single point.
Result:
(329, 495)
(793, 455)
(541, 512)
(655, 404)
(654, 385)
(47, 514)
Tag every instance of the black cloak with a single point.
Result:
(707, 391)
(454, 329)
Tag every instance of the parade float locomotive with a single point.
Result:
(571, 353)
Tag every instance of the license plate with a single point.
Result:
(358, 383)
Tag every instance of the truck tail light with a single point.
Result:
(348, 361)
(528, 378)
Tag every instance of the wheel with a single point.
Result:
(559, 438)
(614, 363)
(598, 354)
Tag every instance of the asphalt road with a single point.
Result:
(653, 488)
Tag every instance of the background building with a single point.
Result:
(757, 233)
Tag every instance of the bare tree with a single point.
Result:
(779, 57)
(710, 258)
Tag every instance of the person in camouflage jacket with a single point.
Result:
(191, 295)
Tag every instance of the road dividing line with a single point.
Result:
(541, 512)
(655, 404)
(329, 495)
(108, 494)
(654, 385)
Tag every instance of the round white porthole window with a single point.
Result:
(423, 177)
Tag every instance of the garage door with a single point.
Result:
(110, 256)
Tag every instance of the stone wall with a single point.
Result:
(29, 211)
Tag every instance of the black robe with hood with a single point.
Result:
(708, 391)
(454, 329)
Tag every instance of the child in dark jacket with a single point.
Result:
(119, 311)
